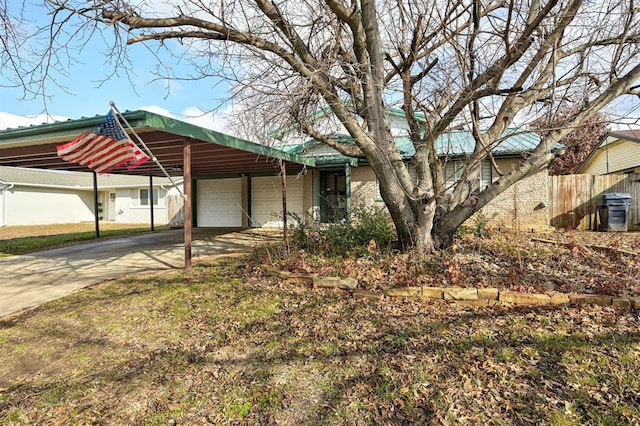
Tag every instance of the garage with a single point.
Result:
(219, 203)
(266, 200)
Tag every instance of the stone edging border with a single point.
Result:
(465, 296)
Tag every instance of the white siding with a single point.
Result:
(129, 210)
(3, 212)
(34, 206)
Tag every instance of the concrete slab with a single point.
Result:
(30, 280)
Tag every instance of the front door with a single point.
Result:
(111, 206)
(333, 195)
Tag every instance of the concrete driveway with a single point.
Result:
(30, 280)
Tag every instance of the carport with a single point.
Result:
(183, 149)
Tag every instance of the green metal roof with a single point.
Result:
(453, 144)
(34, 146)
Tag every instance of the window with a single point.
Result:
(455, 169)
(453, 172)
(144, 197)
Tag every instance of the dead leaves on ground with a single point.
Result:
(584, 262)
(205, 347)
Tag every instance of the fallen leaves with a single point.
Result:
(206, 347)
(575, 261)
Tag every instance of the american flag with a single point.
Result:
(103, 150)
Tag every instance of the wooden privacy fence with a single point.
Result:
(574, 199)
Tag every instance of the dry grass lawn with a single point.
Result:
(225, 344)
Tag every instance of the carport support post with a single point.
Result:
(347, 189)
(153, 227)
(188, 222)
(283, 180)
(95, 204)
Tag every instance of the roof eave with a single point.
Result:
(60, 131)
(141, 121)
(593, 152)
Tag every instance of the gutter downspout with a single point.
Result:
(5, 203)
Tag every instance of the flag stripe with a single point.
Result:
(75, 144)
(93, 148)
(139, 158)
(102, 149)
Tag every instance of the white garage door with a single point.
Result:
(266, 200)
(219, 202)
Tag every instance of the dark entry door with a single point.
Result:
(333, 195)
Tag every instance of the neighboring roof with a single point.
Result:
(213, 153)
(609, 138)
(73, 180)
(632, 135)
(454, 144)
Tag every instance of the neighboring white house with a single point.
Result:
(33, 196)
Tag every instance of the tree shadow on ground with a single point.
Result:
(321, 358)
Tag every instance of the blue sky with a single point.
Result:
(88, 87)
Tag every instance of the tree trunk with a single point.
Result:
(412, 219)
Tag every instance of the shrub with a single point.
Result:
(345, 238)
(481, 222)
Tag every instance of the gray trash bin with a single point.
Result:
(614, 212)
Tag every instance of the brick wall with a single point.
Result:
(522, 206)
(364, 188)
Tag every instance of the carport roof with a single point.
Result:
(212, 153)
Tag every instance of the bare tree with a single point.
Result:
(485, 66)
(10, 40)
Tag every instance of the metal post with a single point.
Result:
(283, 180)
(153, 227)
(186, 158)
(347, 190)
(95, 204)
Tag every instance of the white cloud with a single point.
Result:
(12, 121)
(158, 110)
(220, 122)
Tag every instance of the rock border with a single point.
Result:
(469, 296)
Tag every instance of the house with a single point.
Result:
(35, 196)
(617, 152)
(338, 184)
(237, 183)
